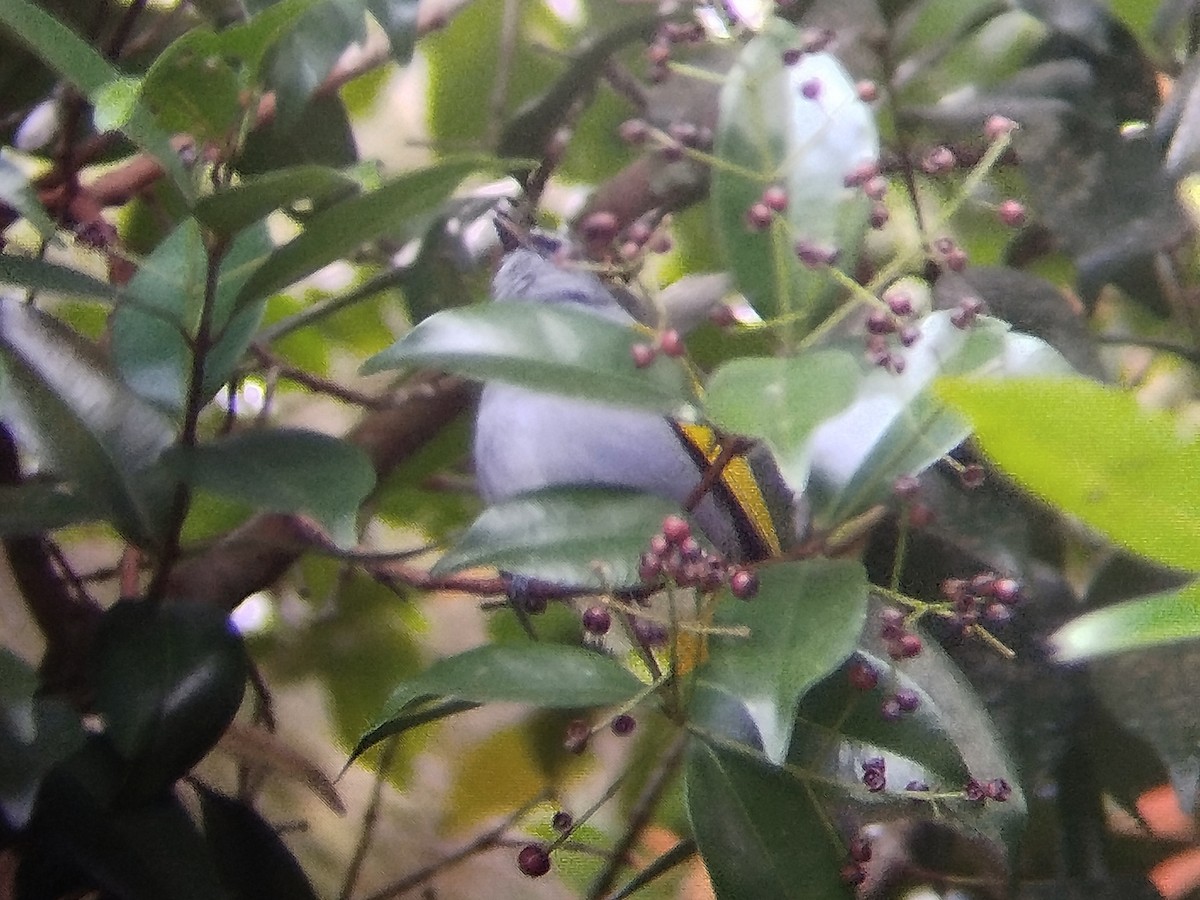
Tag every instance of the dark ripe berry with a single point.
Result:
(643, 355)
(623, 725)
(671, 343)
(906, 487)
(853, 874)
(671, 152)
(916, 786)
(890, 710)
(908, 699)
(909, 645)
(1011, 213)
(971, 476)
(650, 634)
(576, 738)
(815, 255)
(891, 623)
(875, 779)
(938, 160)
(533, 860)
(961, 320)
(909, 335)
(811, 89)
(1006, 590)
(868, 91)
(676, 530)
(659, 545)
(791, 56)
(879, 215)
(861, 174)
(863, 676)
(599, 227)
(880, 322)
(743, 584)
(690, 549)
(974, 791)
(758, 217)
(998, 789)
(860, 850)
(920, 515)
(997, 613)
(956, 260)
(775, 198)
(997, 126)
(562, 821)
(597, 620)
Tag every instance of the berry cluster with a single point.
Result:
(988, 597)
(854, 872)
(675, 554)
(966, 312)
(893, 629)
(600, 229)
(658, 54)
(890, 329)
(669, 343)
(864, 677)
(977, 791)
(874, 774)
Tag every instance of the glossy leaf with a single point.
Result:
(35, 507)
(38, 275)
(1094, 453)
(169, 678)
(36, 733)
(557, 349)
(321, 136)
(192, 89)
(151, 338)
(95, 433)
(90, 73)
(775, 134)
(231, 210)
(1139, 624)
(251, 858)
(283, 470)
(760, 830)
(584, 537)
(783, 401)
(253, 39)
(548, 676)
(804, 620)
(339, 230)
(16, 192)
(896, 426)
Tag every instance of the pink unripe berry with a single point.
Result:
(671, 343)
(633, 131)
(868, 91)
(758, 217)
(863, 676)
(676, 530)
(1011, 213)
(743, 584)
(938, 161)
(775, 197)
(997, 126)
(599, 227)
(643, 355)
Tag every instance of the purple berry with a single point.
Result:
(562, 821)
(533, 860)
(743, 583)
(643, 355)
(907, 699)
(758, 217)
(676, 530)
(863, 676)
(597, 620)
(811, 89)
(623, 725)
(890, 710)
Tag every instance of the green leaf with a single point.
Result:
(897, 426)
(321, 136)
(1133, 625)
(342, 228)
(760, 829)
(169, 679)
(231, 210)
(283, 470)
(770, 133)
(96, 434)
(1093, 452)
(250, 856)
(38, 275)
(548, 676)
(252, 40)
(90, 73)
(116, 103)
(35, 507)
(584, 537)
(783, 401)
(191, 88)
(36, 733)
(15, 191)
(555, 348)
(804, 620)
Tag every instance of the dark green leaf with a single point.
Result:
(321, 136)
(342, 228)
(190, 88)
(760, 829)
(680, 853)
(783, 401)
(15, 191)
(770, 133)
(584, 537)
(253, 861)
(1133, 625)
(38, 275)
(548, 676)
(63, 50)
(398, 19)
(804, 621)
(169, 678)
(148, 336)
(98, 436)
(250, 41)
(35, 734)
(231, 210)
(555, 348)
(36, 507)
(283, 470)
